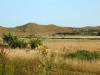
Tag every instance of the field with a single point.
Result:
(31, 62)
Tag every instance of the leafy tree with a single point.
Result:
(35, 43)
(9, 38)
(13, 41)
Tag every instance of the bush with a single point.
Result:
(19, 44)
(35, 43)
(13, 41)
(9, 38)
(83, 55)
(96, 54)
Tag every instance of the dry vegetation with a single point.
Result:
(63, 67)
(73, 44)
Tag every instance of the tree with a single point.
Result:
(13, 41)
(9, 38)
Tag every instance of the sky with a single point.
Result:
(66, 13)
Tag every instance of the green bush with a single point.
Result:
(9, 38)
(13, 41)
(95, 54)
(19, 44)
(83, 55)
(35, 43)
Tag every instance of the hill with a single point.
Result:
(33, 28)
(42, 29)
(7, 30)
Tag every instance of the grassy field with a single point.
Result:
(73, 44)
(51, 62)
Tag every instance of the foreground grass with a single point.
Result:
(21, 66)
(48, 63)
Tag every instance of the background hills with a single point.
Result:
(33, 28)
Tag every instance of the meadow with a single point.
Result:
(48, 59)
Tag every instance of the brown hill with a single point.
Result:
(33, 28)
(7, 30)
(43, 29)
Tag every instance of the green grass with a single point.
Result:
(82, 55)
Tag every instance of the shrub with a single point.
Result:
(35, 43)
(83, 55)
(95, 54)
(13, 41)
(9, 38)
(19, 44)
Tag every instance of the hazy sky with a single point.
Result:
(67, 13)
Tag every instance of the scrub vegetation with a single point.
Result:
(49, 56)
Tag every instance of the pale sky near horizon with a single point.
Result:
(67, 13)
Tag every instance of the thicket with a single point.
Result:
(81, 32)
(35, 41)
(13, 41)
(83, 55)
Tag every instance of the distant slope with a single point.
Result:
(7, 30)
(33, 28)
(43, 29)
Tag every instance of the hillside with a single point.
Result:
(7, 30)
(33, 28)
(42, 29)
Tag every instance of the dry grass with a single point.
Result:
(73, 45)
(71, 67)
(83, 66)
(23, 53)
(84, 37)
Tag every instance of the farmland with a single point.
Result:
(51, 62)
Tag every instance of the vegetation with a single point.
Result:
(35, 41)
(83, 55)
(51, 59)
(85, 33)
(13, 41)
(43, 65)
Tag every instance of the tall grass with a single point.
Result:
(34, 66)
(47, 63)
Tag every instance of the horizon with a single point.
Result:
(46, 24)
(64, 13)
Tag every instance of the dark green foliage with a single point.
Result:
(83, 55)
(71, 55)
(9, 38)
(19, 44)
(13, 41)
(35, 42)
(95, 54)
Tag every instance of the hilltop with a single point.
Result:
(42, 29)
